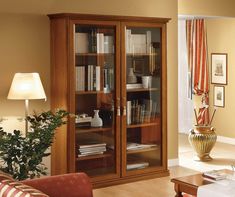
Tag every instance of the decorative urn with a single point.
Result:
(202, 139)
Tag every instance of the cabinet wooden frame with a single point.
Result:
(63, 93)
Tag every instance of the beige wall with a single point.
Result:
(220, 35)
(24, 47)
(206, 7)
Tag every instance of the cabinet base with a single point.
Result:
(122, 180)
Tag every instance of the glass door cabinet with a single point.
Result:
(109, 72)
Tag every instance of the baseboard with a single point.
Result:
(226, 140)
(183, 132)
(173, 162)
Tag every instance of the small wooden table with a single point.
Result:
(190, 184)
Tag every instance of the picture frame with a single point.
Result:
(219, 68)
(219, 96)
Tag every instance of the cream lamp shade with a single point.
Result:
(26, 86)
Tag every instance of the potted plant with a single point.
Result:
(21, 156)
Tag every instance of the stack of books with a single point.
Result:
(136, 146)
(91, 149)
(215, 175)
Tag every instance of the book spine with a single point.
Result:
(128, 112)
(97, 78)
(91, 78)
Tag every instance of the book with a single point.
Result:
(81, 43)
(139, 43)
(215, 175)
(128, 117)
(90, 154)
(92, 145)
(108, 44)
(137, 165)
(97, 78)
(137, 146)
(133, 86)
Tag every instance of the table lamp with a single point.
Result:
(26, 86)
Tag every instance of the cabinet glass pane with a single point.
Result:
(94, 48)
(143, 93)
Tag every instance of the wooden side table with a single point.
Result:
(190, 184)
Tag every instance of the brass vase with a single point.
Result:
(202, 139)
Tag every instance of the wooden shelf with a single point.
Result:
(141, 54)
(106, 154)
(142, 125)
(99, 171)
(92, 129)
(142, 89)
(142, 150)
(92, 54)
(88, 92)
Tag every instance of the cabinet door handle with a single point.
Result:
(118, 107)
(118, 111)
(124, 111)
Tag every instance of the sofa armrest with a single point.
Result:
(71, 185)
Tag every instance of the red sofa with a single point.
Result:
(70, 185)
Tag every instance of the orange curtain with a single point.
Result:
(198, 65)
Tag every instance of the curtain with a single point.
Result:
(198, 65)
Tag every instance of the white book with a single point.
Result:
(81, 42)
(98, 42)
(128, 112)
(137, 165)
(139, 43)
(92, 145)
(128, 41)
(76, 79)
(148, 41)
(91, 78)
(82, 78)
(90, 150)
(215, 174)
(97, 78)
(89, 154)
(134, 85)
(102, 43)
(108, 44)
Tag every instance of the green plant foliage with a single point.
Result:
(21, 156)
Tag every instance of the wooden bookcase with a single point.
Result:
(100, 63)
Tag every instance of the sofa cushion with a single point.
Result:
(11, 188)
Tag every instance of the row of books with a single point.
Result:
(138, 43)
(87, 78)
(93, 42)
(141, 111)
(91, 149)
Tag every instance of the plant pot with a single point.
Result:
(202, 139)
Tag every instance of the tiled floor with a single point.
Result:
(223, 155)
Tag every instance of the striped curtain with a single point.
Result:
(198, 65)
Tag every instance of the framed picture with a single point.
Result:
(219, 96)
(219, 68)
